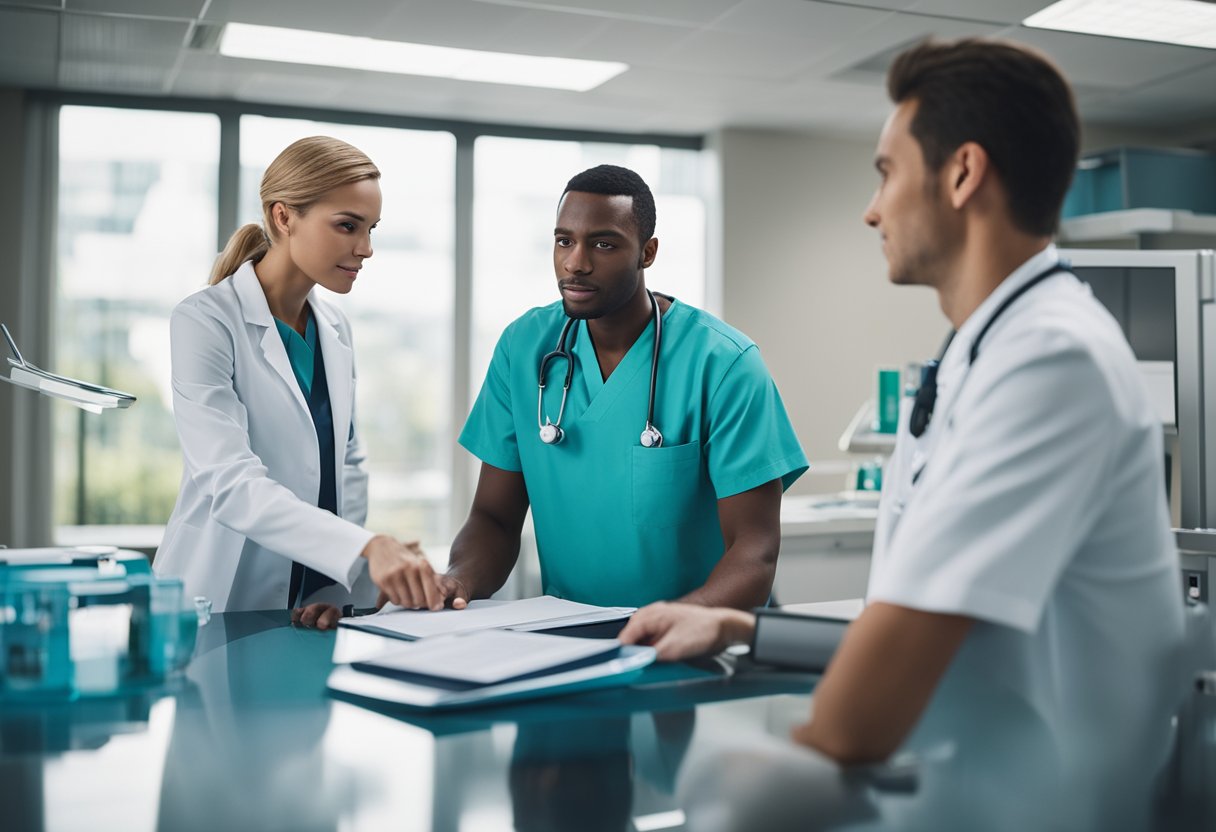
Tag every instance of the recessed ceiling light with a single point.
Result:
(271, 43)
(1183, 22)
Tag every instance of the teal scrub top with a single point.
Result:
(301, 351)
(617, 523)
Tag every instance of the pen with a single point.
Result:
(351, 611)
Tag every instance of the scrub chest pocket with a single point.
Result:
(666, 481)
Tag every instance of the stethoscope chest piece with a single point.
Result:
(651, 438)
(551, 434)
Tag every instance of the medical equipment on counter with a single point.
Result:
(551, 433)
(91, 621)
(85, 395)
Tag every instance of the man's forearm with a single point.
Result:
(482, 556)
(743, 579)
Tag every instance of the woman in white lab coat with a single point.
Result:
(274, 494)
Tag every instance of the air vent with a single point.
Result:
(206, 37)
(874, 67)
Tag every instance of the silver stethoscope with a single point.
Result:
(551, 433)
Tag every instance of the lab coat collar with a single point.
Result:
(335, 353)
(256, 311)
(1045, 259)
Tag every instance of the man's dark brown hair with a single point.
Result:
(1011, 101)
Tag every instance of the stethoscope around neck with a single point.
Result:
(551, 433)
(926, 396)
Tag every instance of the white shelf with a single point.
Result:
(1134, 222)
(860, 438)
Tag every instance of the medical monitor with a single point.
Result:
(1163, 300)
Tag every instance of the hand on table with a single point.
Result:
(321, 616)
(681, 631)
(406, 577)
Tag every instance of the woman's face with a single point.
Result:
(330, 241)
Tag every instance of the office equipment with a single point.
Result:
(1163, 300)
(616, 665)
(802, 636)
(89, 622)
(85, 395)
(529, 614)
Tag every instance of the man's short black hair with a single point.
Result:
(1008, 99)
(614, 180)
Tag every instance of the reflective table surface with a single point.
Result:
(250, 740)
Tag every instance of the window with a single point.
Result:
(517, 186)
(136, 233)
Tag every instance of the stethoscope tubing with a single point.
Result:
(551, 432)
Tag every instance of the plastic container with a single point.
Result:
(1128, 177)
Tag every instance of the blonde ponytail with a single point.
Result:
(248, 243)
(298, 177)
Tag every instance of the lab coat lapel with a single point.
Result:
(256, 311)
(338, 360)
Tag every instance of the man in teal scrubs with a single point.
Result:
(696, 518)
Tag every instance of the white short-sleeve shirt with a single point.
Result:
(1035, 504)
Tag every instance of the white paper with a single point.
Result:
(490, 656)
(541, 613)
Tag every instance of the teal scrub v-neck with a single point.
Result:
(617, 523)
(301, 351)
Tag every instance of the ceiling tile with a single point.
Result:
(819, 24)
(864, 57)
(1110, 62)
(178, 9)
(29, 46)
(121, 54)
(460, 23)
(631, 43)
(741, 55)
(992, 11)
(687, 12)
(360, 18)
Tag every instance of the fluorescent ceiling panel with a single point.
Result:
(1182, 22)
(270, 43)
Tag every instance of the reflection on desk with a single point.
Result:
(249, 740)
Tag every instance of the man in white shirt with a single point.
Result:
(1024, 538)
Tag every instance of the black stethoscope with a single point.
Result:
(926, 396)
(551, 433)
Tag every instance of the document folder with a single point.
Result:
(416, 691)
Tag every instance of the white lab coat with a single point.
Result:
(248, 500)
(1040, 513)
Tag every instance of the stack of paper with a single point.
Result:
(490, 652)
(486, 666)
(91, 397)
(530, 615)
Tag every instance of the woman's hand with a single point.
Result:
(321, 616)
(406, 577)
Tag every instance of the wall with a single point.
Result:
(806, 279)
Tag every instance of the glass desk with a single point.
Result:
(249, 740)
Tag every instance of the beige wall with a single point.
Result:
(806, 279)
